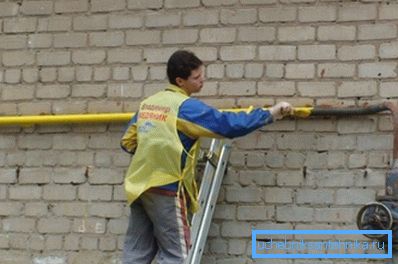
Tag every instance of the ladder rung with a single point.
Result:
(213, 158)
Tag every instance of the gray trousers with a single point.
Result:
(157, 227)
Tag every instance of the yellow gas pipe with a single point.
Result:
(103, 118)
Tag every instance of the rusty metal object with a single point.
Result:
(348, 111)
(394, 111)
(392, 175)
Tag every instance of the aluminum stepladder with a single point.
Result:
(216, 164)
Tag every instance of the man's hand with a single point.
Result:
(281, 110)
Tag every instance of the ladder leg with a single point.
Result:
(204, 190)
(203, 222)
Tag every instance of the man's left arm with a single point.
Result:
(129, 139)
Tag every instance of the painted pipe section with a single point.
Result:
(64, 119)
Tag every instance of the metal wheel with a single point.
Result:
(374, 216)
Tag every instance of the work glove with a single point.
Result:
(281, 110)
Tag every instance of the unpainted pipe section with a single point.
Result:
(394, 111)
(348, 111)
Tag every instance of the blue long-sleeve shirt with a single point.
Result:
(197, 119)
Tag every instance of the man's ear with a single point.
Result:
(180, 81)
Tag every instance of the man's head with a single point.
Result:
(186, 71)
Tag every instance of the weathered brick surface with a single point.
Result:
(336, 70)
(274, 52)
(384, 31)
(139, 37)
(55, 23)
(18, 58)
(355, 12)
(71, 6)
(242, 16)
(180, 36)
(214, 35)
(40, 40)
(316, 52)
(296, 34)
(20, 25)
(103, 5)
(26, 192)
(388, 11)
(37, 7)
(157, 19)
(357, 52)
(125, 21)
(54, 225)
(278, 14)
(316, 89)
(300, 71)
(12, 41)
(256, 34)
(8, 9)
(106, 39)
(53, 58)
(144, 4)
(61, 187)
(205, 17)
(377, 70)
(84, 23)
(336, 33)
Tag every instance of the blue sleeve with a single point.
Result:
(225, 124)
(129, 139)
(133, 120)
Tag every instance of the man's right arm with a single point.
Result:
(197, 119)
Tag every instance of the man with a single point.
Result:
(163, 136)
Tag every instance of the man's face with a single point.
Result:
(194, 83)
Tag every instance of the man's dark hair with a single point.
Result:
(181, 64)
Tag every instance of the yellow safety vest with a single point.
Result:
(157, 159)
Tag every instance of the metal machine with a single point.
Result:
(383, 214)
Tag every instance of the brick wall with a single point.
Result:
(61, 194)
